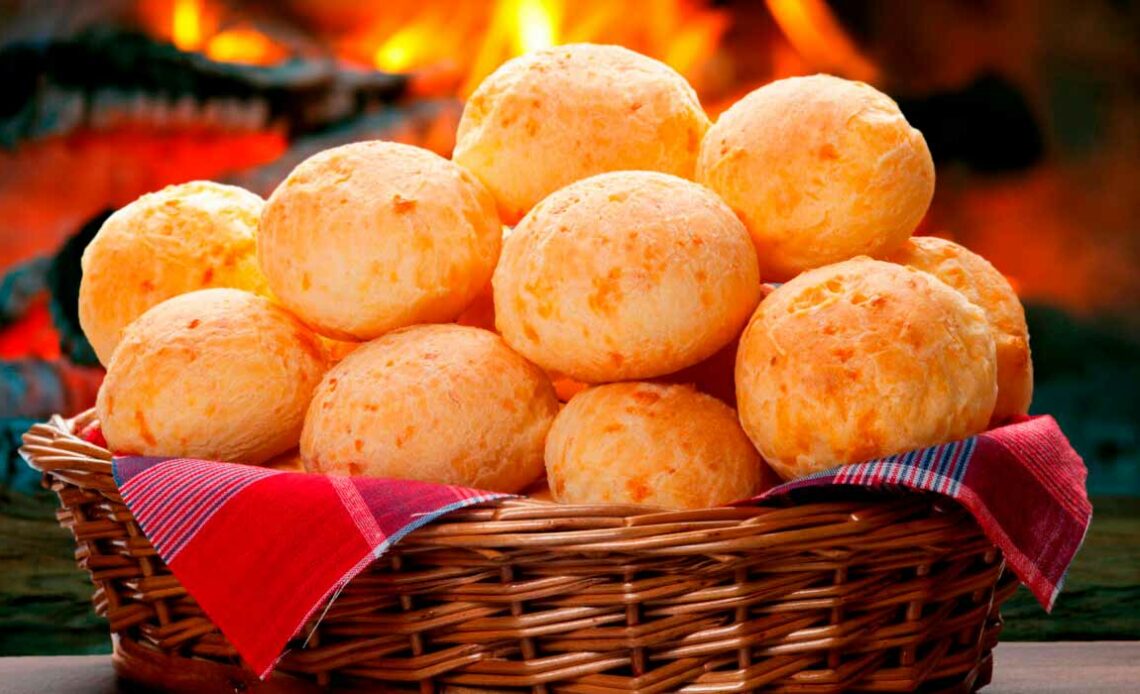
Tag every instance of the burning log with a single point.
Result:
(105, 78)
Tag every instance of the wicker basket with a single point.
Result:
(855, 592)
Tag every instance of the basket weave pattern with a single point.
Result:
(874, 594)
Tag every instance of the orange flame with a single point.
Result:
(816, 34)
(401, 51)
(481, 36)
(452, 45)
(244, 44)
(536, 25)
(186, 24)
(196, 25)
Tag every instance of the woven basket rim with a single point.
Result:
(506, 590)
(55, 448)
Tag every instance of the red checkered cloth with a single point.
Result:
(262, 550)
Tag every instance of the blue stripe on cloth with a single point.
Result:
(958, 473)
(937, 468)
(930, 462)
(192, 493)
(932, 466)
(181, 492)
(908, 461)
(832, 472)
(949, 461)
(914, 474)
(424, 519)
(950, 451)
(944, 461)
(177, 496)
(123, 469)
(180, 536)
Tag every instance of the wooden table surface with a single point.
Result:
(1096, 667)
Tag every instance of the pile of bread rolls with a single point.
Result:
(376, 313)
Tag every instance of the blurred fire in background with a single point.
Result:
(1026, 105)
(1030, 109)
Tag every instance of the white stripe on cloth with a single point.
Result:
(359, 512)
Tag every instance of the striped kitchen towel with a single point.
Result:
(262, 550)
(1023, 483)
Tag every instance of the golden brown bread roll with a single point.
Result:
(480, 313)
(372, 236)
(647, 443)
(185, 237)
(437, 403)
(989, 290)
(715, 376)
(339, 349)
(859, 360)
(820, 169)
(549, 118)
(626, 275)
(219, 374)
